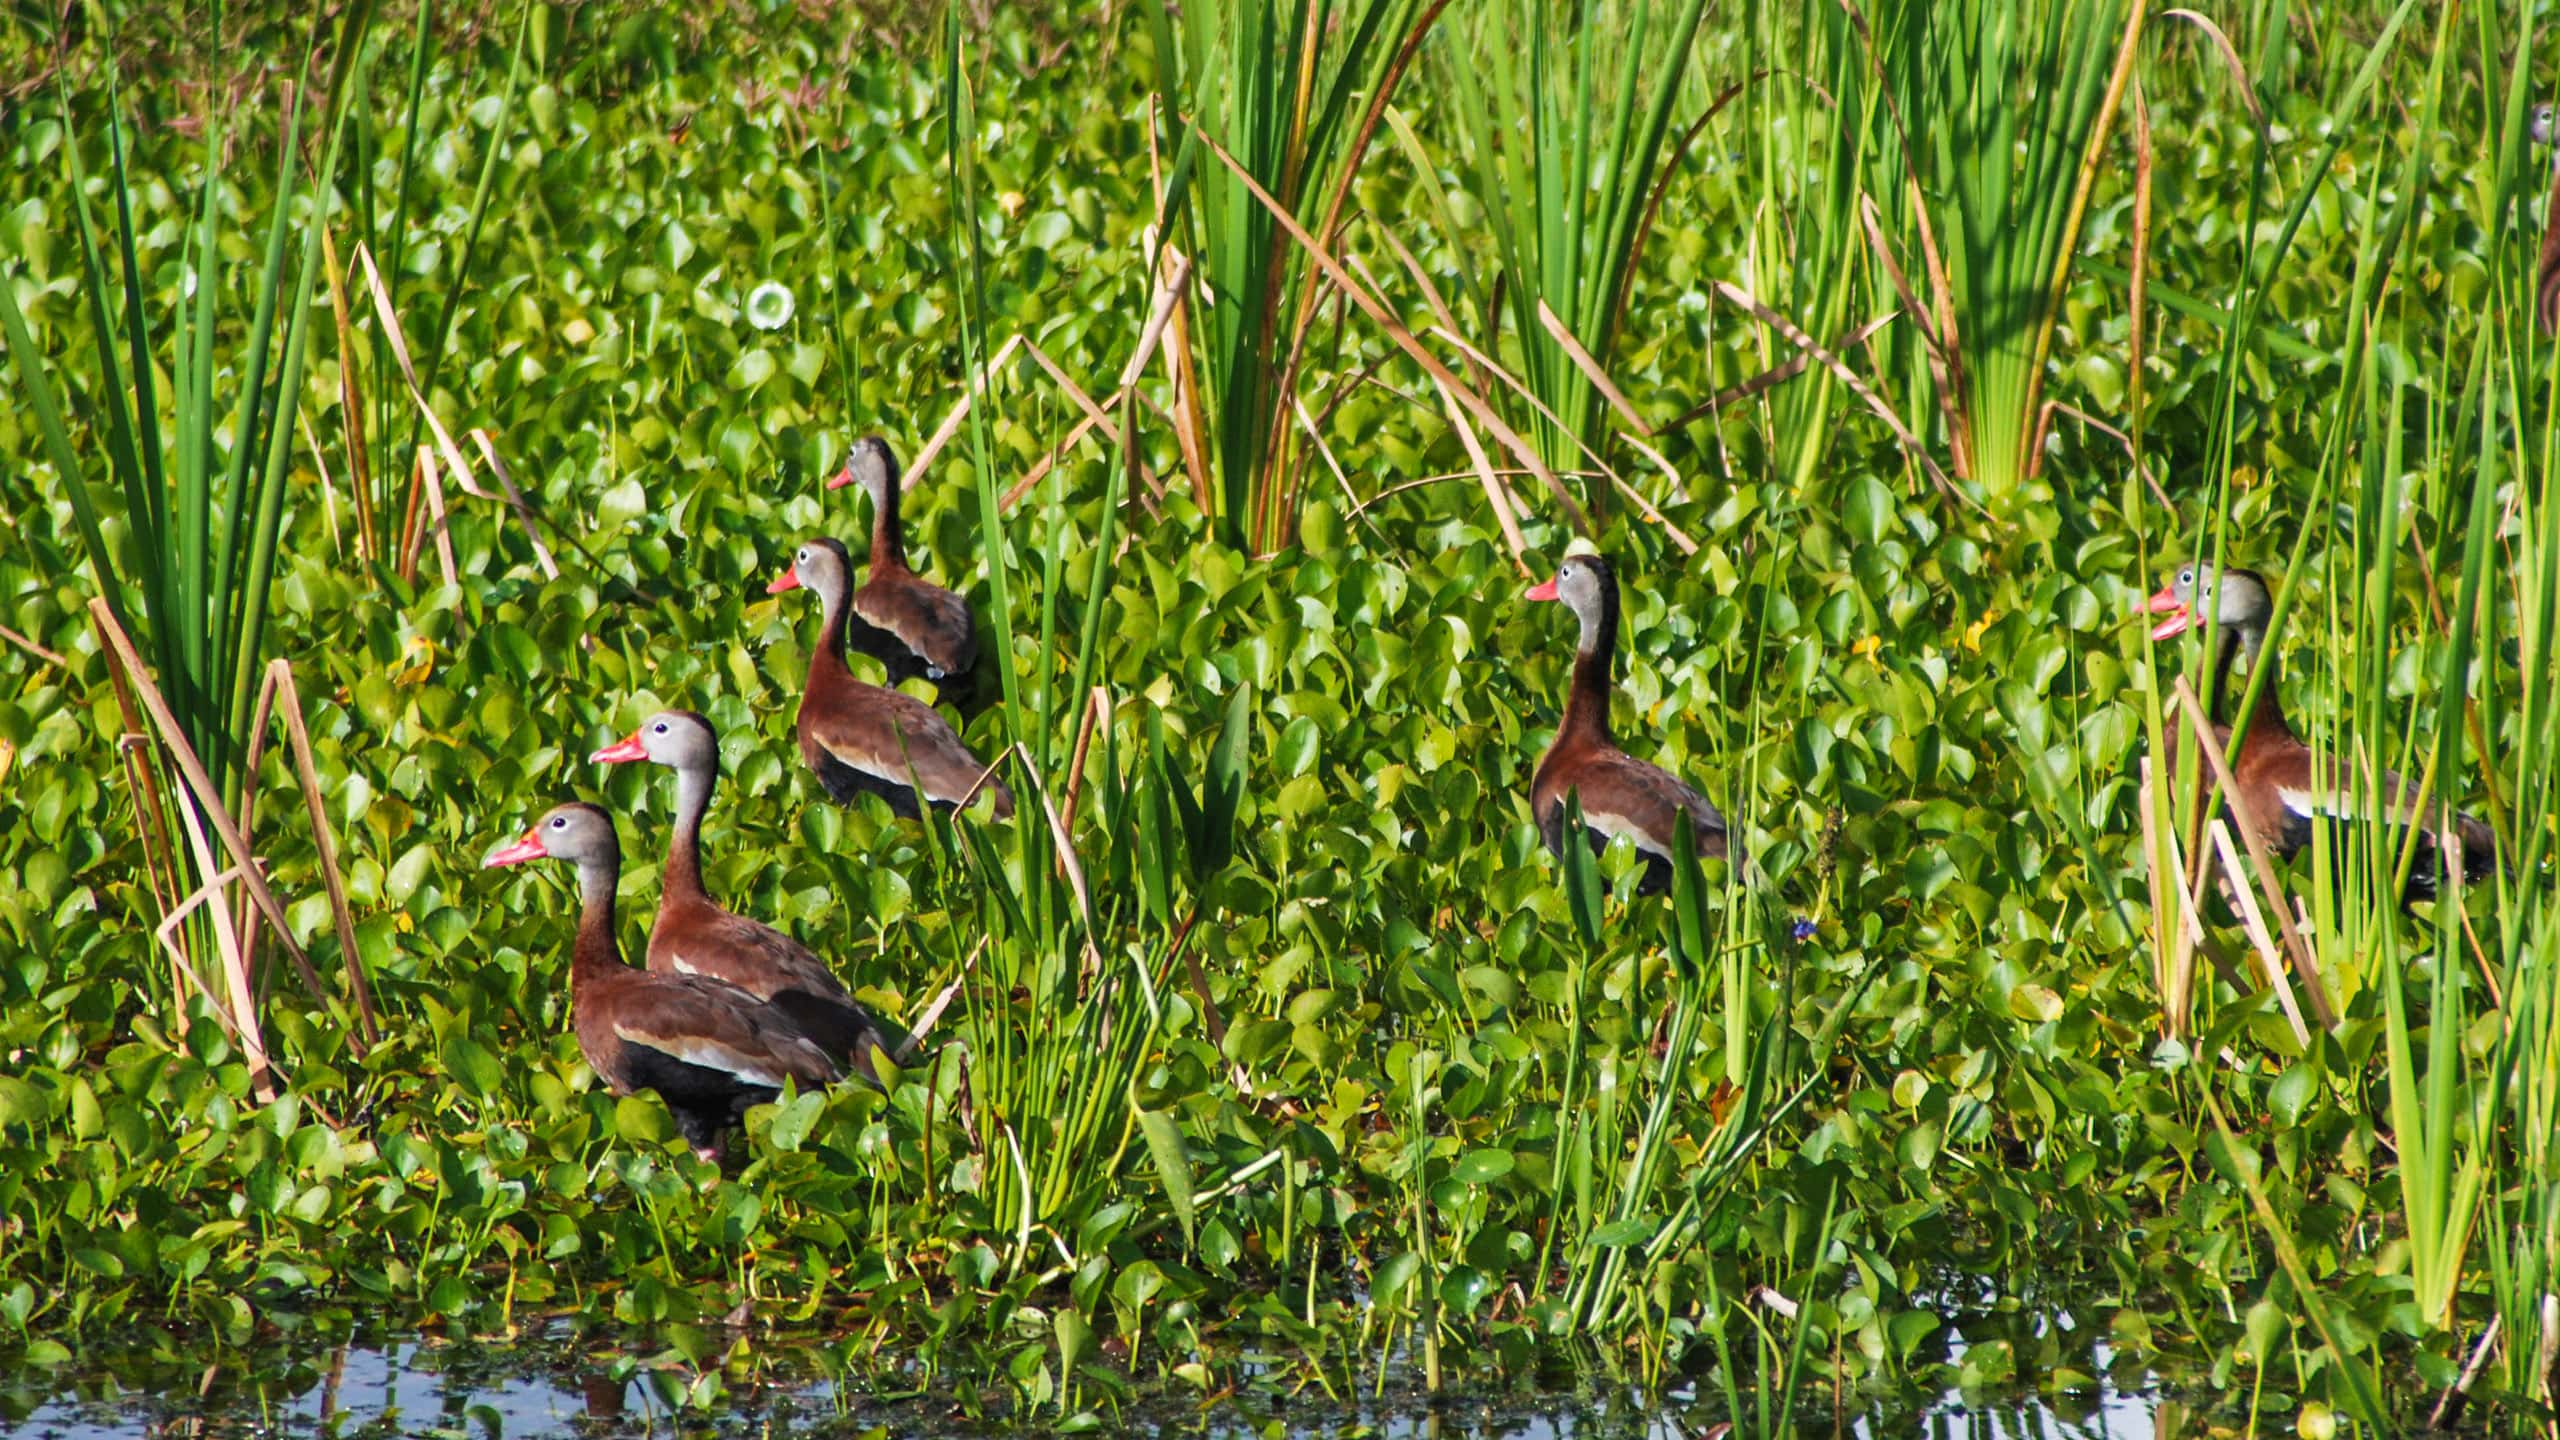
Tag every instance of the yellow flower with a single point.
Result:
(423, 665)
(1973, 632)
(1868, 648)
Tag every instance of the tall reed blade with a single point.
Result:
(1295, 91)
(2005, 106)
(1563, 163)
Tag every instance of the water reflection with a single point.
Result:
(557, 1385)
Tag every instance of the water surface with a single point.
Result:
(556, 1386)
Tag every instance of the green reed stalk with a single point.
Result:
(1815, 122)
(204, 530)
(388, 468)
(1291, 89)
(1564, 161)
(2003, 103)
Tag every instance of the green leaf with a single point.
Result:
(473, 1067)
(1173, 1168)
(22, 1103)
(1869, 509)
(795, 1118)
(1075, 1339)
(2292, 1094)
(1619, 1234)
(641, 1120)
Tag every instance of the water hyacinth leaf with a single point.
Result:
(472, 1066)
(2035, 1003)
(641, 1120)
(1075, 1339)
(795, 1118)
(1172, 1166)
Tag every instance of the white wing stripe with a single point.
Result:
(1614, 825)
(709, 1054)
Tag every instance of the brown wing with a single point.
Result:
(2547, 273)
(717, 1026)
(781, 972)
(1621, 795)
(749, 954)
(928, 620)
(2302, 789)
(890, 736)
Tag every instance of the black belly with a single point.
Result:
(1657, 870)
(846, 1031)
(704, 1101)
(2426, 868)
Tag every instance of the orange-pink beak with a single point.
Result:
(2167, 603)
(790, 580)
(843, 478)
(528, 848)
(1541, 592)
(626, 749)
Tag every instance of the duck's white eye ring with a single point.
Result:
(662, 727)
(559, 822)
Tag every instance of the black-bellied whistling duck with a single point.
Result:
(695, 936)
(911, 625)
(709, 1049)
(867, 738)
(2285, 786)
(1619, 794)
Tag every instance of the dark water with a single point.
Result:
(424, 1387)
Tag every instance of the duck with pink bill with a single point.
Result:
(2286, 789)
(1620, 795)
(695, 935)
(710, 1050)
(912, 626)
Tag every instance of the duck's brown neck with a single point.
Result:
(834, 605)
(2244, 648)
(683, 878)
(1586, 710)
(888, 538)
(596, 951)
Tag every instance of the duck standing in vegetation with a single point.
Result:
(694, 935)
(1619, 794)
(862, 738)
(709, 1049)
(911, 625)
(2286, 788)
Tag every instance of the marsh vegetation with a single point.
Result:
(411, 401)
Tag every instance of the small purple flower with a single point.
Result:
(1800, 931)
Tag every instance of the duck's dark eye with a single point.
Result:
(662, 727)
(2186, 577)
(560, 822)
